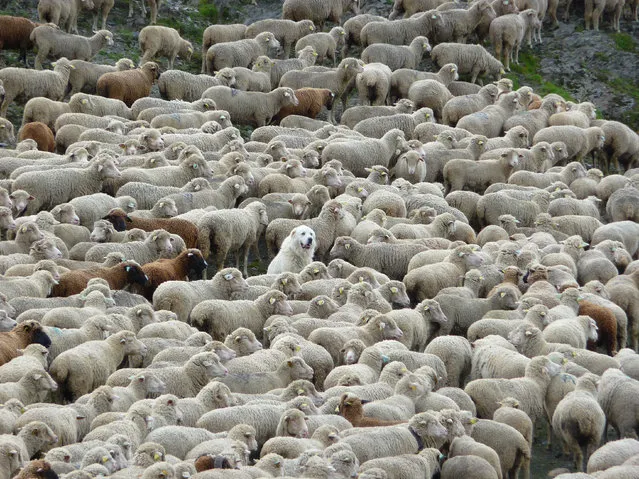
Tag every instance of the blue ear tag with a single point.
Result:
(127, 269)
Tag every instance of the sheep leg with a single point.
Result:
(153, 4)
(508, 51)
(475, 73)
(246, 249)
(205, 49)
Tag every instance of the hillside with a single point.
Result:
(580, 65)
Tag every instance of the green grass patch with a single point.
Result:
(624, 42)
(208, 11)
(527, 73)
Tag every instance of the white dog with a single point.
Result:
(296, 252)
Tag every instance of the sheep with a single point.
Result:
(254, 108)
(38, 285)
(398, 32)
(478, 175)
(579, 420)
(377, 127)
(311, 102)
(69, 183)
(286, 32)
(157, 243)
(338, 81)
(54, 43)
(355, 114)
(181, 297)
(261, 382)
(291, 448)
(613, 391)
(493, 205)
(324, 44)
(490, 121)
(18, 39)
(226, 231)
(188, 264)
(277, 68)
(622, 231)
(40, 133)
(390, 259)
(63, 13)
(157, 40)
(621, 144)
(31, 439)
(579, 142)
(358, 155)
(76, 374)
(429, 93)
(128, 85)
(470, 59)
(97, 105)
(32, 387)
(179, 85)
(218, 34)
(239, 53)
(395, 56)
(7, 135)
(44, 110)
(27, 84)
(332, 11)
(461, 106)
(509, 31)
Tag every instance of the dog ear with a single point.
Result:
(293, 233)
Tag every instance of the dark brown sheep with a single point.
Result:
(310, 103)
(19, 338)
(185, 229)
(39, 469)
(607, 324)
(14, 35)
(118, 276)
(40, 133)
(129, 85)
(351, 408)
(189, 264)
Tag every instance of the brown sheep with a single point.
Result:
(350, 407)
(40, 133)
(39, 469)
(118, 276)
(189, 264)
(14, 34)
(207, 461)
(607, 324)
(129, 85)
(20, 337)
(311, 101)
(185, 229)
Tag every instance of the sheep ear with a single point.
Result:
(382, 325)
(271, 301)
(502, 294)
(528, 333)
(289, 363)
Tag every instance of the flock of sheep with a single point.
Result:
(474, 279)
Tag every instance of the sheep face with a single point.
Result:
(6, 128)
(32, 332)
(134, 273)
(45, 249)
(231, 280)
(210, 364)
(426, 425)
(68, 215)
(293, 424)
(195, 264)
(21, 200)
(6, 219)
(107, 169)
(398, 295)
(507, 298)
(6, 323)
(244, 341)
(432, 312)
(102, 232)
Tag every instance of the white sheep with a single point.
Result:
(156, 40)
(240, 53)
(507, 33)
(470, 59)
(54, 43)
(286, 32)
(395, 56)
(325, 44)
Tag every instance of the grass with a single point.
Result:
(527, 73)
(624, 42)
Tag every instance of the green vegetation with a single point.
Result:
(624, 42)
(527, 73)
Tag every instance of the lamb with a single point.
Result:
(358, 155)
(395, 56)
(390, 259)
(338, 81)
(27, 84)
(69, 183)
(191, 165)
(54, 43)
(228, 230)
(158, 243)
(40, 133)
(470, 59)
(254, 108)
(239, 53)
(38, 285)
(509, 31)
(129, 85)
(580, 421)
(377, 127)
(324, 44)
(32, 387)
(180, 297)
(458, 107)
(579, 142)
(77, 374)
(332, 11)
(478, 175)
(156, 40)
(291, 448)
(31, 439)
(286, 32)
(99, 106)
